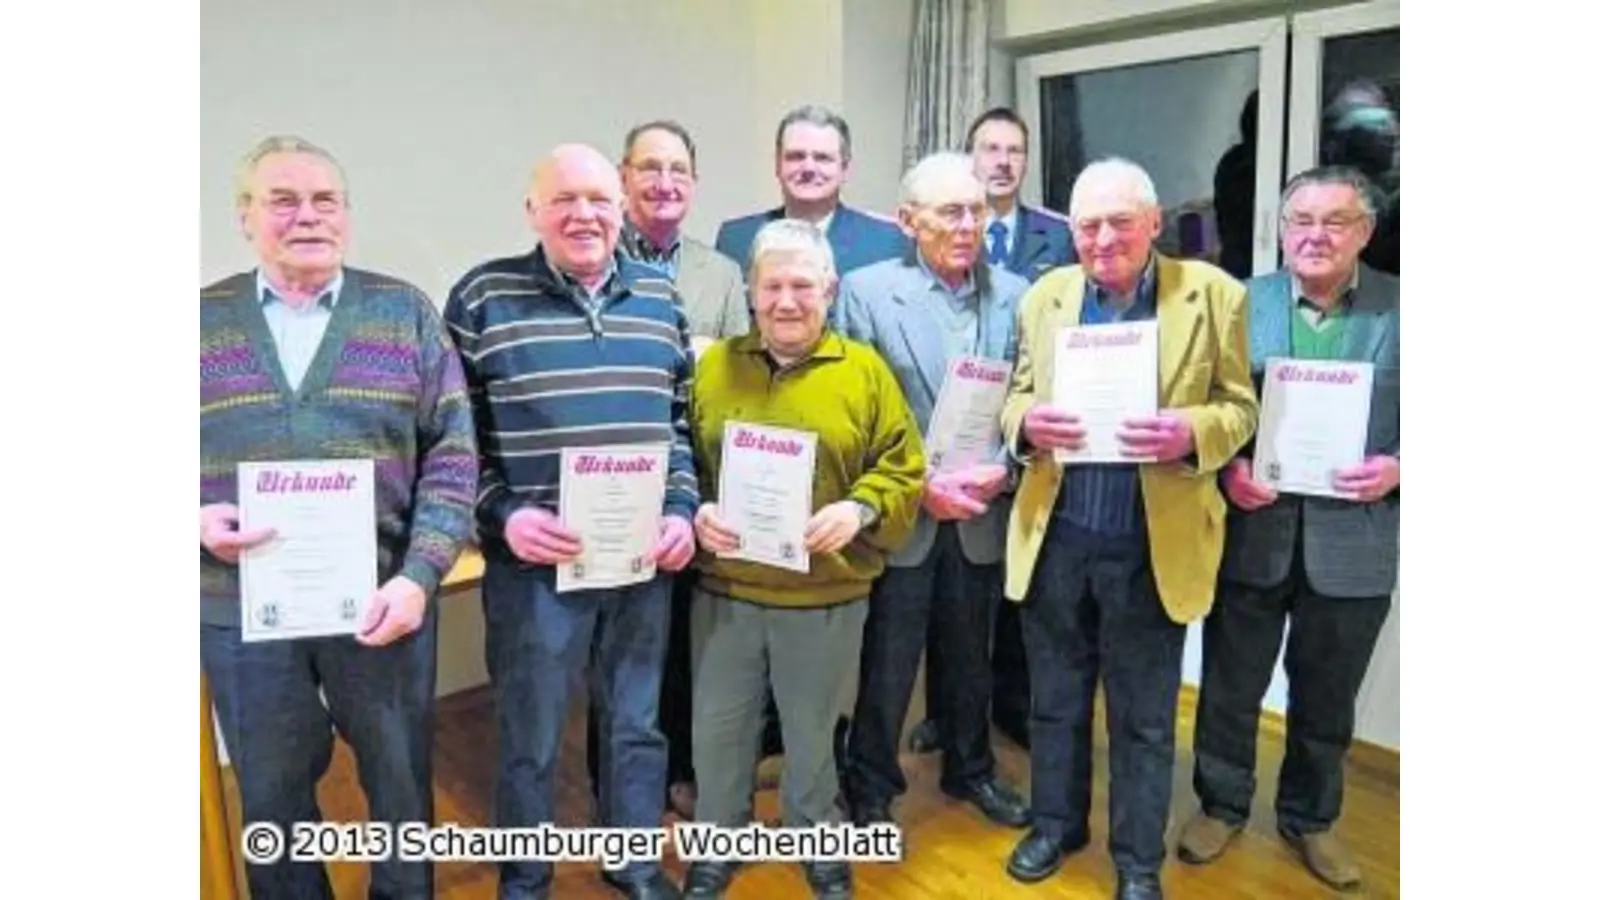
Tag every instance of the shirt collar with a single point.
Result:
(636, 245)
(1345, 292)
(1145, 288)
(967, 289)
(329, 294)
(1009, 220)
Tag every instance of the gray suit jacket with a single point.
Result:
(1351, 549)
(884, 305)
(712, 288)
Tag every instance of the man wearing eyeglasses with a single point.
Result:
(659, 178)
(941, 304)
(1112, 560)
(1323, 568)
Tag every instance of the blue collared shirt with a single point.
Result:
(1106, 499)
(297, 333)
(955, 311)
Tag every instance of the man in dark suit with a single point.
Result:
(813, 163)
(1028, 241)
(1324, 567)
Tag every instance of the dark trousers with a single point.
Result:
(1093, 610)
(1330, 644)
(279, 739)
(539, 643)
(677, 694)
(1008, 666)
(959, 600)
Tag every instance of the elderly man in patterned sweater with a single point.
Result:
(305, 359)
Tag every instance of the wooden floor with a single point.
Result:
(951, 851)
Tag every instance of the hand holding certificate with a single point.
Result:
(1313, 424)
(965, 427)
(765, 493)
(318, 573)
(611, 498)
(1105, 375)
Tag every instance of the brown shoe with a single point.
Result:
(1327, 858)
(1204, 838)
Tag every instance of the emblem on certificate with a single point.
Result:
(638, 564)
(1274, 472)
(787, 550)
(577, 571)
(268, 615)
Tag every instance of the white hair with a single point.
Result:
(793, 236)
(941, 168)
(1119, 171)
(279, 143)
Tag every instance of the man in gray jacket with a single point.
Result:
(1324, 567)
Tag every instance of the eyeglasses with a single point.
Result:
(656, 170)
(1336, 224)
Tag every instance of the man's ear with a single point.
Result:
(905, 217)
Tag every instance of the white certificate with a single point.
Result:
(1313, 423)
(764, 492)
(965, 427)
(611, 498)
(316, 576)
(1105, 375)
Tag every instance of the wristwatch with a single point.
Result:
(869, 516)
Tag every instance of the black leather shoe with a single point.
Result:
(999, 803)
(829, 880)
(708, 878)
(870, 812)
(657, 887)
(1138, 887)
(925, 737)
(1039, 855)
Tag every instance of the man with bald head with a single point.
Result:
(573, 344)
(1111, 561)
(940, 303)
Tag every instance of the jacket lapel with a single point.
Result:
(1179, 316)
(924, 344)
(1270, 325)
(1368, 324)
(841, 233)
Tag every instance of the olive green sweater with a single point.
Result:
(868, 450)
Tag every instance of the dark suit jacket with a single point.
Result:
(1045, 243)
(857, 238)
(1351, 549)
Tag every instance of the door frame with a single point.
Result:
(1269, 37)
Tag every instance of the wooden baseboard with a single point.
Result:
(1381, 761)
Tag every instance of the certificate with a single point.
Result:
(1105, 375)
(965, 427)
(764, 492)
(315, 577)
(1313, 423)
(611, 498)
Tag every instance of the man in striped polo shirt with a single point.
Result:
(573, 345)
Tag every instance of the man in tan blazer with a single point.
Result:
(1111, 561)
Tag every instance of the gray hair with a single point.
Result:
(1345, 175)
(793, 236)
(280, 143)
(1116, 168)
(822, 117)
(941, 167)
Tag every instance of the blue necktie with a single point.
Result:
(998, 252)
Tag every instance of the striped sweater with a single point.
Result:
(384, 385)
(545, 372)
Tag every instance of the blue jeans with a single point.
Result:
(279, 739)
(538, 644)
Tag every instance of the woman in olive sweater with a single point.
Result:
(757, 626)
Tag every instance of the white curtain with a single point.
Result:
(949, 83)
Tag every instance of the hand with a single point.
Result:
(1166, 437)
(1370, 481)
(537, 536)
(714, 534)
(983, 481)
(833, 527)
(1048, 428)
(676, 546)
(945, 498)
(1246, 493)
(396, 610)
(220, 534)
